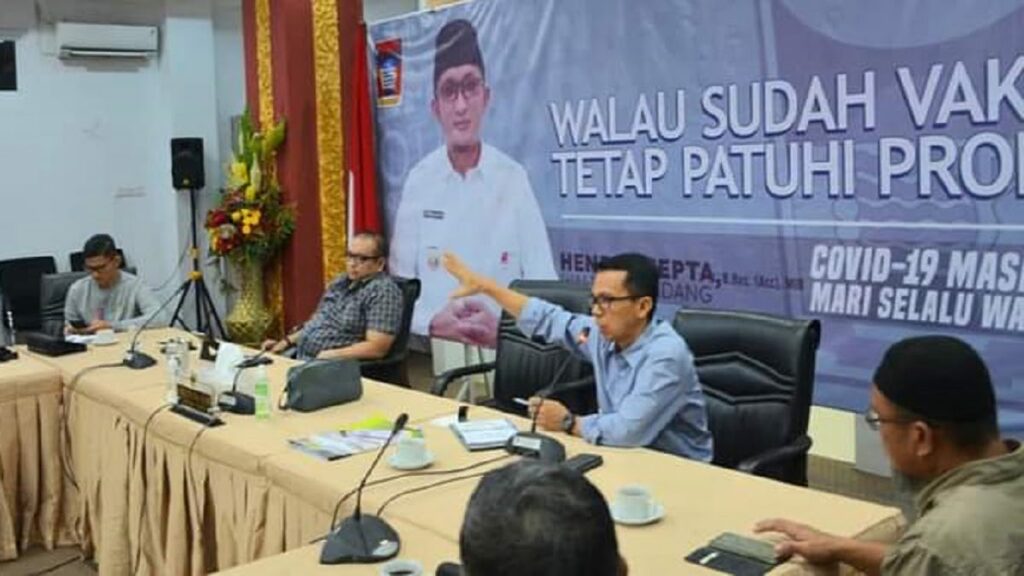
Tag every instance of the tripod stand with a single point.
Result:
(206, 314)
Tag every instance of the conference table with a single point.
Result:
(163, 491)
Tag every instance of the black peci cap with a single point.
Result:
(937, 377)
(457, 45)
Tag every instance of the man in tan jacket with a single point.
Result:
(935, 408)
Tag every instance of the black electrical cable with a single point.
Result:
(188, 461)
(142, 508)
(58, 566)
(380, 510)
(344, 498)
(64, 441)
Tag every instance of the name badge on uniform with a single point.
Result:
(433, 257)
(434, 214)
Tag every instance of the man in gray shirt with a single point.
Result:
(109, 298)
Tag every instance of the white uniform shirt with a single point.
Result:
(489, 218)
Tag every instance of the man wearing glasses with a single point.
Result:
(647, 388)
(467, 197)
(108, 298)
(933, 404)
(359, 313)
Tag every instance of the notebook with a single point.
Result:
(484, 434)
(363, 436)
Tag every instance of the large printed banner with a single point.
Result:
(858, 162)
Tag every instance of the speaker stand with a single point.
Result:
(206, 313)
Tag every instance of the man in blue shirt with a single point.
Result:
(647, 388)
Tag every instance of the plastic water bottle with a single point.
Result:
(261, 392)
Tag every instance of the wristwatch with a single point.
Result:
(568, 421)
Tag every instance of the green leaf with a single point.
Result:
(274, 138)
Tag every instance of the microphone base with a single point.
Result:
(204, 418)
(362, 540)
(138, 360)
(539, 446)
(237, 403)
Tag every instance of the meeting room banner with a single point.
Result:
(856, 162)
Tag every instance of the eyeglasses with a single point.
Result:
(100, 267)
(605, 302)
(360, 258)
(469, 87)
(874, 421)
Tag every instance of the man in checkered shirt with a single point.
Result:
(359, 313)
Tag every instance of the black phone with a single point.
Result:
(584, 462)
(79, 324)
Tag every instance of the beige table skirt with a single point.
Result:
(36, 504)
(199, 515)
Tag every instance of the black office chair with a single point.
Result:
(757, 372)
(77, 260)
(392, 368)
(20, 280)
(523, 366)
(53, 292)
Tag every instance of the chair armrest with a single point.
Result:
(794, 449)
(379, 362)
(441, 383)
(570, 386)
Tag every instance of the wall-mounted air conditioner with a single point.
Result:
(106, 40)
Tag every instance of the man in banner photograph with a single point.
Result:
(465, 197)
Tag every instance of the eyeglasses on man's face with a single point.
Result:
(604, 302)
(470, 87)
(360, 258)
(97, 268)
(875, 421)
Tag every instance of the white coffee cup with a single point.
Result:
(404, 567)
(634, 502)
(410, 451)
(105, 336)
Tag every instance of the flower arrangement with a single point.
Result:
(251, 223)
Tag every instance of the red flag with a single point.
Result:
(363, 201)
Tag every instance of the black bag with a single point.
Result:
(321, 383)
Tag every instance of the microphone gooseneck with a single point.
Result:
(400, 422)
(138, 360)
(360, 538)
(532, 444)
(581, 339)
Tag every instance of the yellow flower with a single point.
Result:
(236, 216)
(239, 172)
(256, 215)
(246, 230)
(250, 194)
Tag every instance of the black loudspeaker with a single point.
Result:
(187, 163)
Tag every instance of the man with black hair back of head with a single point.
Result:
(538, 519)
(467, 197)
(108, 298)
(933, 403)
(359, 313)
(648, 393)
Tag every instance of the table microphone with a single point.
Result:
(138, 360)
(237, 402)
(363, 538)
(541, 446)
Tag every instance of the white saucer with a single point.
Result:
(110, 342)
(657, 514)
(394, 463)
